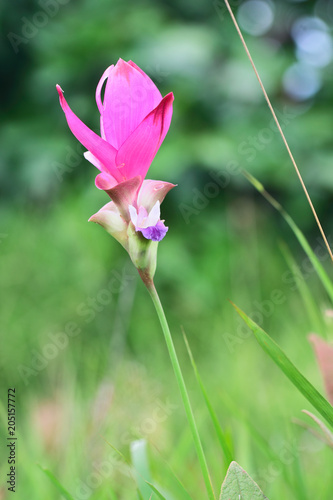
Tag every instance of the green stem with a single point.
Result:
(182, 388)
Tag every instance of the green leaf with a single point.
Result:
(155, 490)
(57, 484)
(327, 283)
(238, 485)
(140, 463)
(289, 369)
(228, 456)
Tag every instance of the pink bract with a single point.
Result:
(134, 122)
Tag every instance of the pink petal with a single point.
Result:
(129, 96)
(99, 102)
(103, 151)
(94, 161)
(139, 150)
(324, 355)
(105, 75)
(105, 181)
(153, 191)
(125, 194)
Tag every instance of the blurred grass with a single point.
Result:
(113, 380)
(88, 393)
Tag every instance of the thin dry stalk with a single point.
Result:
(280, 129)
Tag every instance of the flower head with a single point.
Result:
(134, 120)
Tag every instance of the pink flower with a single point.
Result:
(134, 121)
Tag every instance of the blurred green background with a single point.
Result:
(80, 340)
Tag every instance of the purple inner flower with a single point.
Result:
(155, 233)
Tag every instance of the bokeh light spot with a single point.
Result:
(313, 41)
(256, 16)
(301, 81)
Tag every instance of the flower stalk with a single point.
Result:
(182, 387)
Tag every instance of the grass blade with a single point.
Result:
(289, 369)
(169, 470)
(328, 435)
(57, 484)
(227, 453)
(314, 314)
(324, 278)
(155, 490)
(258, 439)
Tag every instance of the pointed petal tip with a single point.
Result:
(96, 217)
(121, 63)
(103, 151)
(169, 97)
(62, 99)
